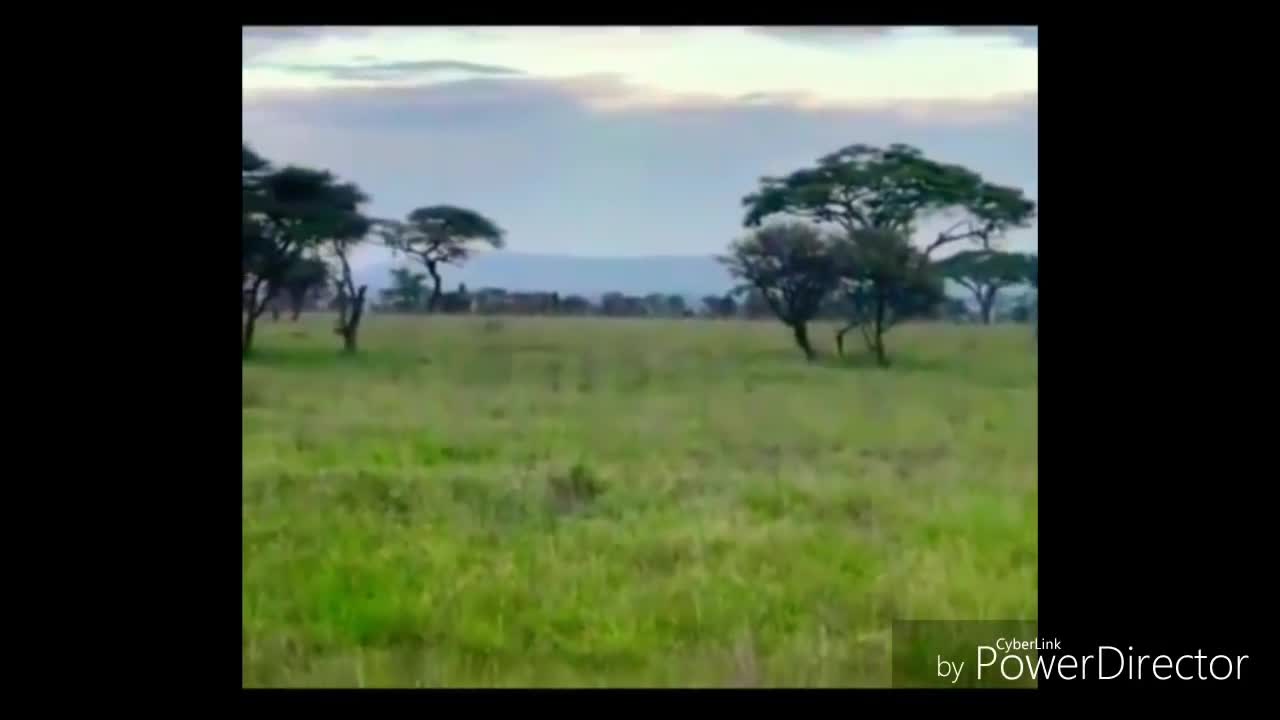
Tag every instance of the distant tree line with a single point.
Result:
(409, 294)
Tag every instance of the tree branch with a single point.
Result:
(948, 236)
(346, 281)
(773, 304)
(257, 307)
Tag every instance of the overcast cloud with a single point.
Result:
(629, 141)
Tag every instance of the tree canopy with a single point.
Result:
(789, 263)
(862, 187)
(877, 197)
(985, 272)
(407, 289)
(441, 233)
(288, 212)
(884, 280)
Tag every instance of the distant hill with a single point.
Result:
(691, 276)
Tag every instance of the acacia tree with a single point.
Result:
(345, 236)
(883, 281)
(985, 273)
(990, 211)
(282, 215)
(286, 213)
(304, 276)
(407, 289)
(440, 234)
(256, 247)
(310, 210)
(790, 266)
(877, 196)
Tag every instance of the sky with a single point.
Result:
(617, 141)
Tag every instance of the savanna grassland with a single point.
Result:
(594, 502)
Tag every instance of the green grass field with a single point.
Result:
(591, 502)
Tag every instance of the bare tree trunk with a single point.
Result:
(987, 301)
(881, 358)
(252, 309)
(351, 327)
(435, 287)
(801, 332)
(246, 338)
(350, 306)
(341, 306)
(296, 301)
(840, 336)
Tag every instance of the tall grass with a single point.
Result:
(589, 502)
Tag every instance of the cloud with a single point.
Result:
(282, 33)
(391, 71)
(854, 36)
(566, 167)
(626, 141)
(826, 35)
(258, 41)
(1028, 35)
(662, 65)
(603, 93)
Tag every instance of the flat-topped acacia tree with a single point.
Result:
(287, 213)
(440, 234)
(877, 196)
(990, 211)
(322, 214)
(257, 251)
(985, 273)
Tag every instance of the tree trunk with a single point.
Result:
(296, 301)
(435, 287)
(801, 332)
(252, 309)
(275, 312)
(878, 345)
(986, 302)
(246, 338)
(351, 325)
(840, 337)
